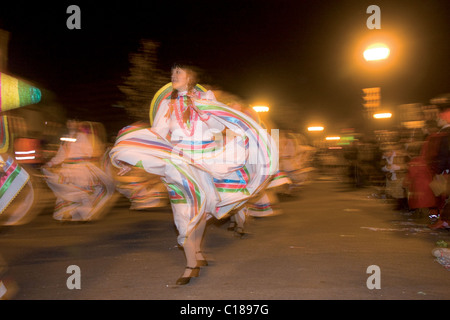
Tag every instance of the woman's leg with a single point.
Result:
(240, 221)
(232, 224)
(191, 269)
(189, 251)
(199, 233)
(192, 251)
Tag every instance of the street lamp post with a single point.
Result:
(373, 54)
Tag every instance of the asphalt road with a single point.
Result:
(319, 248)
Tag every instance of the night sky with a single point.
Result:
(292, 55)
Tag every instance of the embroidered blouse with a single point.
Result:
(200, 128)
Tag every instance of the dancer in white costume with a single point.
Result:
(82, 189)
(17, 195)
(296, 159)
(143, 190)
(266, 202)
(185, 147)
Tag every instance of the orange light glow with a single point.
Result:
(394, 40)
(385, 115)
(261, 108)
(377, 51)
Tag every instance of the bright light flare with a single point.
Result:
(68, 139)
(333, 138)
(315, 128)
(25, 152)
(377, 51)
(386, 115)
(261, 108)
(26, 158)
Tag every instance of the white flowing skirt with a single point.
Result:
(82, 190)
(205, 185)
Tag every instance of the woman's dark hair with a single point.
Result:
(193, 73)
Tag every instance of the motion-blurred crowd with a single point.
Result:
(408, 165)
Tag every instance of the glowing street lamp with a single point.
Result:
(318, 128)
(261, 108)
(377, 51)
(386, 115)
(68, 139)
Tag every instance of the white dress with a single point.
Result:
(81, 188)
(204, 173)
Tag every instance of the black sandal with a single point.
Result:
(185, 280)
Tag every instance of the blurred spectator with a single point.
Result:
(420, 175)
(440, 164)
(431, 127)
(417, 181)
(395, 169)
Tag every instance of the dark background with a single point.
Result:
(301, 56)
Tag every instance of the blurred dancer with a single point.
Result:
(265, 203)
(81, 188)
(295, 159)
(185, 147)
(143, 190)
(17, 194)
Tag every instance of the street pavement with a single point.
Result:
(331, 242)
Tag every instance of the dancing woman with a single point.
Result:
(143, 190)
(18, 201)
(204, 176)
(266, 202)
(81, 188)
